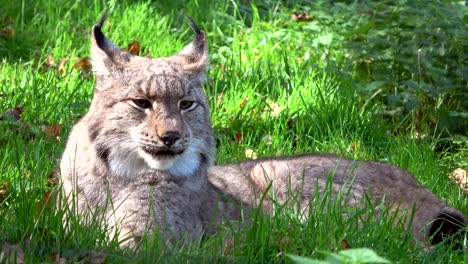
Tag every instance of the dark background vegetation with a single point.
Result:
(407, 57)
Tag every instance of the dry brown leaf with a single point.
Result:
(460, 176)
(8, 20)
(14, 113)
(291, 122)
(12, 254)
(53, 130)
(50, 61)
(354, 147)
(55, 258)
(238, 136)
(7, 32)
(344, 244)
(61, 65)
(52, 179)
(228, 245)
(46, 197)
(243, 103)
(134, 48)
(47, 203)
(3, 191)
(51, 182)
(83, 64)
(93, 257)
(301, 17)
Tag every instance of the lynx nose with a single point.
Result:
(170, 138)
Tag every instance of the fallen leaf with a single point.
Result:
(93, 257)
(83, 64)
(243, 103)
(52, 130)
(228, 245)
(43, 203)
(51, 182)
(460, 176)
(134, 48)
(14, 113)
(52, 179)
(50, 61)
(12, 254)
(46, 197)
(55, 258)
(47, 204)
(238, 136)
(3, 192)
(344, 245)
(301, 17)
(291, 122)
(7, 20)
(61, 65)
(354, 147)
(250, 154)
(7, 32)
(272, 107)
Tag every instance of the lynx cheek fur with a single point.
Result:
(146, 139)
(142, 157)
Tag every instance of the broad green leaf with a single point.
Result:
(363, 255)
(324, 39)
(304, 260)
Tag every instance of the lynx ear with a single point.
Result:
(106, 57)
(195, 55)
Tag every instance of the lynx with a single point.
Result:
(143, 156)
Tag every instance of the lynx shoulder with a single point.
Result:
(143, 156)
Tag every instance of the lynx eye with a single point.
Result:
(186, 105)
(142, 103)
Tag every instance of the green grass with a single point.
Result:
(271, 91)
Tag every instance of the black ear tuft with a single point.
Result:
(195, 55)
(447, 226)
(102, 19)
(97, 34)
(199, 43)
(105, 55)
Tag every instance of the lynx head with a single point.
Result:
(150, 113)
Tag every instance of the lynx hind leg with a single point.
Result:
(448, 223)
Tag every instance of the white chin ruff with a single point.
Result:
(184, 165)
(130, 164)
